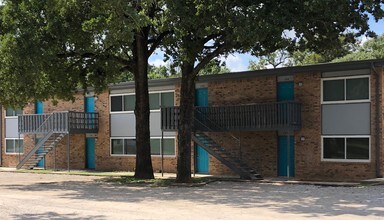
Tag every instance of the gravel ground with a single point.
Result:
(49, 196)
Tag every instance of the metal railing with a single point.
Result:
(254, 117)
(211, 126)
(59, 122)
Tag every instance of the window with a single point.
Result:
(168, 146)
(10, 112)
(123, 103)
(12, 146)
(347, 89)
(124, 146)
(116, 103)
(350, 148)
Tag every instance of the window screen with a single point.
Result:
(167, 99)
(358, 148)
(334, 148)
(333, 90)
(130, 146)
(129, 102)
(357, 89)
(116, 103)
(169, 146)
(155, 146)
(117, 146)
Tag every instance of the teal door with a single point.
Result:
(39, 109)
(90, 141)
(285, 91)
(202, 158)
(90, 153)
(286, 149)
(286, 156)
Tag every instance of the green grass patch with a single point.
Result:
(160, 182)
(77, 172)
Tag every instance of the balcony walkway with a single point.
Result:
(59, 122)
(253, 117)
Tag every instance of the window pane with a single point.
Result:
(154, 101)
(358, 148)
(130, 146)
(117, 146)
(333, 90)
(9, 146)
(169, 146)
(167, 99)
(129, 102)
(333, 148)
(17, 146)
(19, 112)
(116, 103)
(357, 89)
(10, 112)
(155, 146)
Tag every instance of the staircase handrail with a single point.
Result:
(44, 122)
(31, 152)
(216, 125)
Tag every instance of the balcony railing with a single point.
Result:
(59, 122)
(255, 117)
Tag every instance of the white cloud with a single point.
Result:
(237, 62)
(157, 58)
(289, 34)
(364, 39)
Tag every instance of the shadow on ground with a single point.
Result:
(54, 215)
(307, 200)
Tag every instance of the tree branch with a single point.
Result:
(208, 58)
(157, 41)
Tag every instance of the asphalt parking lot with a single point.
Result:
(52, 196)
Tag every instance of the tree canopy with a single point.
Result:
(371, 49)
(50, 48)
(206, 30)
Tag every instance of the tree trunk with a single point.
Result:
(187, 94)
(144, 168)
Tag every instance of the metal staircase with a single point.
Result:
(227, 158)
(51, 129)
(42, 148)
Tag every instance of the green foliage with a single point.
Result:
(371, 49)
(50, 49)
(275, 59)
(215, 66)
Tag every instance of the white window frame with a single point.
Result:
(13, 153)
(134, 155)
(345, 89)
(345, 149)
(14, 116)
(151, 92)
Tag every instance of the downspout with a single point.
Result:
(1, 135)
(378, 121)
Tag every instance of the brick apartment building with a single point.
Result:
(316, 122)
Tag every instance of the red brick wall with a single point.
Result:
(11, 160)
(308, 152)
(77, 141)
(104, 161)
(258, 149)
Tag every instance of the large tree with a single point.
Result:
(204, 30)
(371, 49)
(48, 49)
